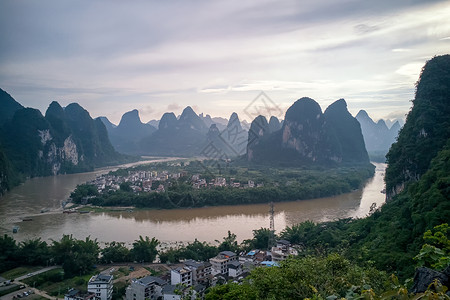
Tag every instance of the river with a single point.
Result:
(169, 226)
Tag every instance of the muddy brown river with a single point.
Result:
(169, 226)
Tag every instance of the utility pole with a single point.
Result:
(271, 240)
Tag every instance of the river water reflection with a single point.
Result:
(205, 224)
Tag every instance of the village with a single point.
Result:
(188, 279)
(154, 181)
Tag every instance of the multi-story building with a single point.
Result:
(219, 264)
(102, 286)
(181, 276)
(145, 288)
(201, 271)
(283, 250)
(234, 269)
(74, 294)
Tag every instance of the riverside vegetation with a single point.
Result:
(355, 258)
(270, 184)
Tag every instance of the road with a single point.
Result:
(37, 272)
(28, 288)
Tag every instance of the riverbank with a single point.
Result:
(174, 225)
(184, 185)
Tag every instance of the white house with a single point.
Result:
(219, 264)
(283, 250)
(102, 286)
(181, 276)
(234, 268)
(145, 288)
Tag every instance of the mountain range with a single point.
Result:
(377, 136)
(68, 140)
(308, 136)
(186, 135)
(65, 140)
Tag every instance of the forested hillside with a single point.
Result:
(65, 140)
(392, 239)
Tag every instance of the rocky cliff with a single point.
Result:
(64, 141)
(308, 136)
(427, 127)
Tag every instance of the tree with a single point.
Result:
(144, 250)
(76, 256)
(8, 253)
(115, 252)
(34, 252)
(126, 186)
(298, 233)
(307, 277)
(229, 243)
(435, 253)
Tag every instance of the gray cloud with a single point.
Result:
(150, 53)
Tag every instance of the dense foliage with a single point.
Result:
(279, 185)
(63, 141)
(427, 127)
(77, 257)
(306, 277)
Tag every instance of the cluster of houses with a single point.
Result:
(191, 278)
(198, 182)
(144, 181)
(141, 181)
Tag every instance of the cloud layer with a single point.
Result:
(114, 56)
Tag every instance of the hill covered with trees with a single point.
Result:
(65, 140)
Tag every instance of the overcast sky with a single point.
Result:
(217, 56)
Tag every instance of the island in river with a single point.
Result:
(183, 184)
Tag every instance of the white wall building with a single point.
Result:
(219, 264)
(102, 286)
(283, 250)
(181, 276)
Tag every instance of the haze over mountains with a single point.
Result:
(68, 140)
(189, 133)
(377, 136)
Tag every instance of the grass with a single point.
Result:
(154, 272)
(12, 288)
(122, 271)
(54, 284)
(19, 271)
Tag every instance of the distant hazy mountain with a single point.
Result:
(377, 136)
(66, 140)
(154, 123)
(8, 106)
(232, 140)
(309, 136)
(390, 123)
(107, 123)
(219, 122)
(127, 136)
(185, 136)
